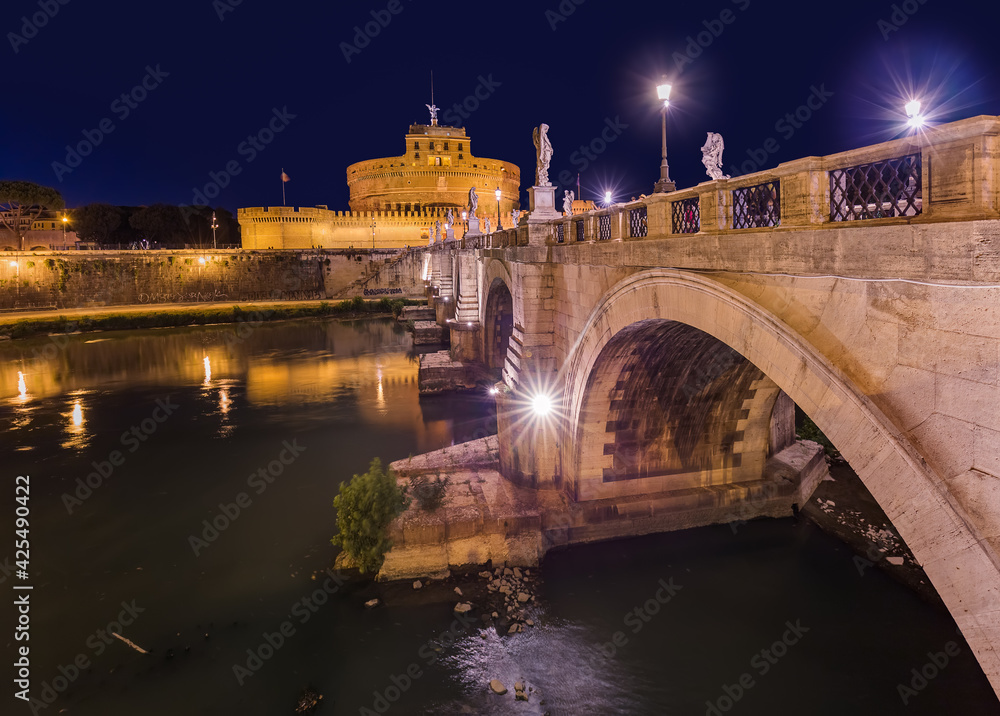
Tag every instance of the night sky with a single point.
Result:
(219, 71)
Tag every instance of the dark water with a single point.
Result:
(331, 396)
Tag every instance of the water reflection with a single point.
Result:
(76, 428)
(366, 369)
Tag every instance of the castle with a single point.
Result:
(395, 201)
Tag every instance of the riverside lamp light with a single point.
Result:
(663, 93)
(607, 198)
(916, 120)
(465, 223)
(497, 193)
(215, 225)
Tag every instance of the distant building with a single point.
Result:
(395, 201)
(43, 233)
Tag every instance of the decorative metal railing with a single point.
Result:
(887, 188)
(757, 206)
(560, 232)
(686, 216)
(579, 230)
(604, 227)
(638, 222)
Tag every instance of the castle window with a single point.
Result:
(432, 146)
(437, 161)
(446, 146)
(416, 146)
(417, 155)
(461, 147)
(460, 157)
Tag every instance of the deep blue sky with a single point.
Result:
(600, 64)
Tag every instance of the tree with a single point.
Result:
(96, 222)
(365, 507)
(159, 222)
(21, 202)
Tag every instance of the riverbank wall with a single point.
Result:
(87, 279)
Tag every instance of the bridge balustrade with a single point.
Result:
(686, 216)
(891, 182)
(757, 206)
(888, 188)
(638, 222)
(604, 227)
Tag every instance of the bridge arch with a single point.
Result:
(957, 559)
(498, 314)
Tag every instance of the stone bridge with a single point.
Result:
(671, 336)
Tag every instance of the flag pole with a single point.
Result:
(283, 186)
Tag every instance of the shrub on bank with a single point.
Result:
(365, 507)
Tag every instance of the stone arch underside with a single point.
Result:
(669, 407)
(498, 324)
(958, 560)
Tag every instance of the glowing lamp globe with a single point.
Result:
(541, 404)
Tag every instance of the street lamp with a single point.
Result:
(64, 229)
(215, 225)
(607, 198)
(499, 226)
(916, 120)
(664, 185)
(465, 223)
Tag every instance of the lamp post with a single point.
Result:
(215, 225)
(916, 120)
(664, 184)
(64, 220)
(607, 198)
(465, 223)
(499, 225)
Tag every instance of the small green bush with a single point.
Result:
(429, 492)
(365, 507)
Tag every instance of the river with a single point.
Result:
(213, 455)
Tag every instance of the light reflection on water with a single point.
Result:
(560, 661)
(369, 364)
